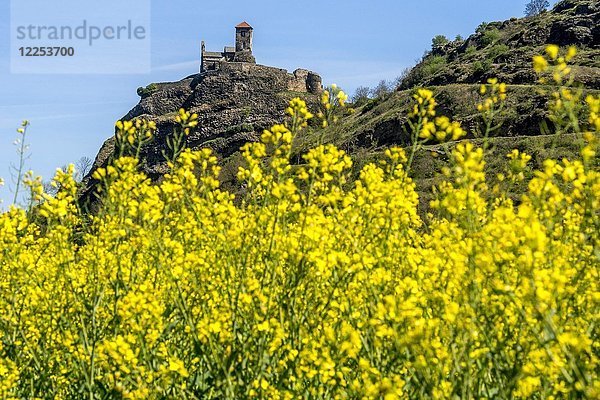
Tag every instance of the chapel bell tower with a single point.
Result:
(243, 37)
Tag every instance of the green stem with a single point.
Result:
(21, 163)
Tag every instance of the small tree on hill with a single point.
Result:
(382, 89)
(401, 78)
(83, 167)
(535, 7)
(439, 41)
(361, 96)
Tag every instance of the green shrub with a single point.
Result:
(497, 50)
(482, 66)
(432, 64)
(148, 90)
(427, 68)
(490, 36)
(471, 50)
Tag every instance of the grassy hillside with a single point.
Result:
(504, 49)
(454, 72)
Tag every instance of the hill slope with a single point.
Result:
(505, 49)
(382, 121)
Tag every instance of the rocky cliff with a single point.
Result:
(234, 105)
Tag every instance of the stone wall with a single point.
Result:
(305, 81)
(314, 83)
(244, 56)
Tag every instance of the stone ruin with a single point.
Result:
(241, 52)
(240, 57)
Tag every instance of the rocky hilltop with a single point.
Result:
(234, 103)
(504, 49)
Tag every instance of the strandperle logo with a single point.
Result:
(80, 36)
(85, 31)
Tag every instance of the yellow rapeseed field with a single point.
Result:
(313, 286)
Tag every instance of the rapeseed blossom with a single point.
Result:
(318, 283)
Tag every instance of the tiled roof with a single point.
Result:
(244, 25)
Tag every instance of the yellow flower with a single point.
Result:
(571, 52)
(539, 64)
(316, 279)
(552, 51)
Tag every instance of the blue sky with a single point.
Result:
(351, 43)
